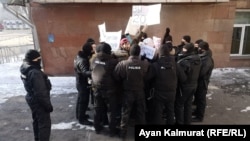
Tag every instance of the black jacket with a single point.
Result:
(37, 85)
(164, 74)
(82, 69)
(191, 65)
(132, 73)
(102, 67)
(207, 65)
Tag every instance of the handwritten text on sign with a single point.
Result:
(146, 15)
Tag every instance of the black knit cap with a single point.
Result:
(135, 50)
(31, 55)
(87, 49)
(165, 49)
(167, 30)
(91, 41)
(104, 48)
(198, 41)
(189, 47)
(187, 38)
(204, 45)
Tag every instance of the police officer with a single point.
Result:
(203, 81)
(83, 73)
(104, 86)
(185, 40)
(190, 63)
(164, 76)
(131, 73)
(37, 86)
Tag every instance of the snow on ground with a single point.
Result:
(11, 85)
(71, 125)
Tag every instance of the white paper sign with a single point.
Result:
(113, 39)
(146, 15)
(132, 29)
(154, 14)
(157, 42)
(102, 31)
(148, 51)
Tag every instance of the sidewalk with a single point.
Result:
(227, 103)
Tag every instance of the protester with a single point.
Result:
(123, 52)
(167, 37)
(37, 86)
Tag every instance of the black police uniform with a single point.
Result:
(105, 89)
(191, 64)
(132, 73)
(37, 86)
(203, 82)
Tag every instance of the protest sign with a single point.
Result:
(148, 51)
(113, 39)
(153, 15)
(157, 42)
(132, 29)
(102, 30)
(146, 15)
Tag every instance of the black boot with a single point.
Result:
(197, 119)
(86, 122)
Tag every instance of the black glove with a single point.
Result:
(49, 108)
(143, 57)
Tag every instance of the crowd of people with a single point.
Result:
(125, 85)
(162, 90)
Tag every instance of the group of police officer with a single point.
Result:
(127, 85)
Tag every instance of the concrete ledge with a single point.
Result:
(128, 1)
(239, 57)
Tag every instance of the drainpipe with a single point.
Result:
(27, 21)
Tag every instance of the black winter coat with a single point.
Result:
(132, 73)
(37, 85)
(164, 74)
(102, 67)
(82, 69)
(207, 65)
(191, 65)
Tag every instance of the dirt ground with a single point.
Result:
(227, 103)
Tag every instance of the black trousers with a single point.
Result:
(183, 105)
(41, 122)
(105, 104)
(82, 102)
(133, 99)
(158, 106)
(200, 99)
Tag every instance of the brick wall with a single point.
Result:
(72, 24)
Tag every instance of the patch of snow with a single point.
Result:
(246, 109)
(71, 126)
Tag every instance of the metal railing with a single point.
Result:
(13, 53)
